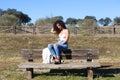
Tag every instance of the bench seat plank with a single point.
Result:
(77, 65)
(68, 54)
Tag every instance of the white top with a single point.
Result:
(62, 37)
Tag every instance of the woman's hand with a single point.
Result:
(62, 42)
(55, 44)
(52, 31)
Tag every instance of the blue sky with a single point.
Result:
(36, 9)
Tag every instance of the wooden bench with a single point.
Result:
(87, 54)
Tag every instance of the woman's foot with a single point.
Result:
(57, 61)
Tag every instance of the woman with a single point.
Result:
(60, 29)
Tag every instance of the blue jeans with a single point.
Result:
(56, 50)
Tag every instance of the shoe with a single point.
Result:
(57, 61)
(53, 58)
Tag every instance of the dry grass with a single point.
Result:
(12, 44)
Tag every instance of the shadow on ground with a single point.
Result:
(104, 71)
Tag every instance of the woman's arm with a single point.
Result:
(67, 36)
(52, 31)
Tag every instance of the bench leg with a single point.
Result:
(29, 72)
(90, 73)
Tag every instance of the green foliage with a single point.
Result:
(117, 21)
(105, 22)
(91, 18)
(23, 18)
(1, 12)
(9, 20)
(71, 21)
(40, 22)
(80, 22)
(53, 19)
(89, 23)
(47, 21)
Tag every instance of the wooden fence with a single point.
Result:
(46, 30)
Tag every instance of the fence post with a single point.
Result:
(34, 29)
(14, 29)
(114, 30)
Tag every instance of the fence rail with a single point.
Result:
(46, 29)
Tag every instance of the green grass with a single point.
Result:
(13, 73)
(10, 46)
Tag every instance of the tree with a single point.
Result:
(40, 22)
(91, 18)
(117, 21)
(101, 21)
(9, 20)
(88, 22)
(30, 24)
(23, 18)
(47, 21)
(105, 22)
(1, 12)
(53, 19)
(71, 21)
(80, 22)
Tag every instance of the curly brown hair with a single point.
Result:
(61, 23)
